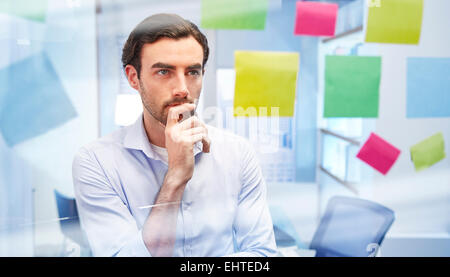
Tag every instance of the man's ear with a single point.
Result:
(132, 76)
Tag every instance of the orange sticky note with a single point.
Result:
(316, 19)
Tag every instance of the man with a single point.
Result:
(169, 185)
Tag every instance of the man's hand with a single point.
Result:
(180, 140)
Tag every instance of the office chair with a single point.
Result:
(351, 227)
(70, 223)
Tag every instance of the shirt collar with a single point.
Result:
(136, 138)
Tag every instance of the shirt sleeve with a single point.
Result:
(252, 226)
(110, 228)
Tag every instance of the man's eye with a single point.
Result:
(163, 72)
(194, 72)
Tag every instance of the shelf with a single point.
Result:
(346, 184)
(347, 139)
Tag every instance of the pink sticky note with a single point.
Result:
(378, 153)
(316, 19)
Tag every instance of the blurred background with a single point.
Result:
(62, 86)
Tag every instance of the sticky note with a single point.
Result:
(428, 152)
(234, 14)
(315, 18)
(33, 10)
(395, 21)
(378, 153)
(352, 86)
(265, 80)
(428, 87)
(33, 101)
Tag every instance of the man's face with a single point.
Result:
(171, 74)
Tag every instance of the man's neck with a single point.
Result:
(154, 130)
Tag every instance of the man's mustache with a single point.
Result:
(179, 101)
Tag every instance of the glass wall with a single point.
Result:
(62, 86)
(48, 100)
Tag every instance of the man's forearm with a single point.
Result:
(159, 229)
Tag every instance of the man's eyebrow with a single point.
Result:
(169, 66)
(163, 65)
(195, 66)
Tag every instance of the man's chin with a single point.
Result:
(161, 119)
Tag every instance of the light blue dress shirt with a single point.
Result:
(223, 211)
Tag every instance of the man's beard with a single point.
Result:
(162, 115)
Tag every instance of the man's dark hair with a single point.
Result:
(159, 26)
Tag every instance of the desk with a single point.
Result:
(299, 201)
(416, 245)
(294, 251)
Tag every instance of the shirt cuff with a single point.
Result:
(135, 247)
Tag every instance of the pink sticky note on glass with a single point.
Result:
(316, 19)
(378, 153)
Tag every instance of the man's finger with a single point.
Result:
(206, 141)
(196, 138)
(189, 123)
(174, 113)
(194, 131)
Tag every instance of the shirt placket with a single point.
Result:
(188, 221)
(188, 235)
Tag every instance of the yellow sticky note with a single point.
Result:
(265, 81)
(395, 21)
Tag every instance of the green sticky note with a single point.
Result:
(395, 21)
(352, 86)
(265, 81)
(428, 152)
(234, 14)
(33, 10)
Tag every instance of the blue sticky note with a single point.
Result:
(33, 99)
(428, 87)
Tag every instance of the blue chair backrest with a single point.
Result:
(69, 223)
(351, 227)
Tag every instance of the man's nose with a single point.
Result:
(180, 89)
